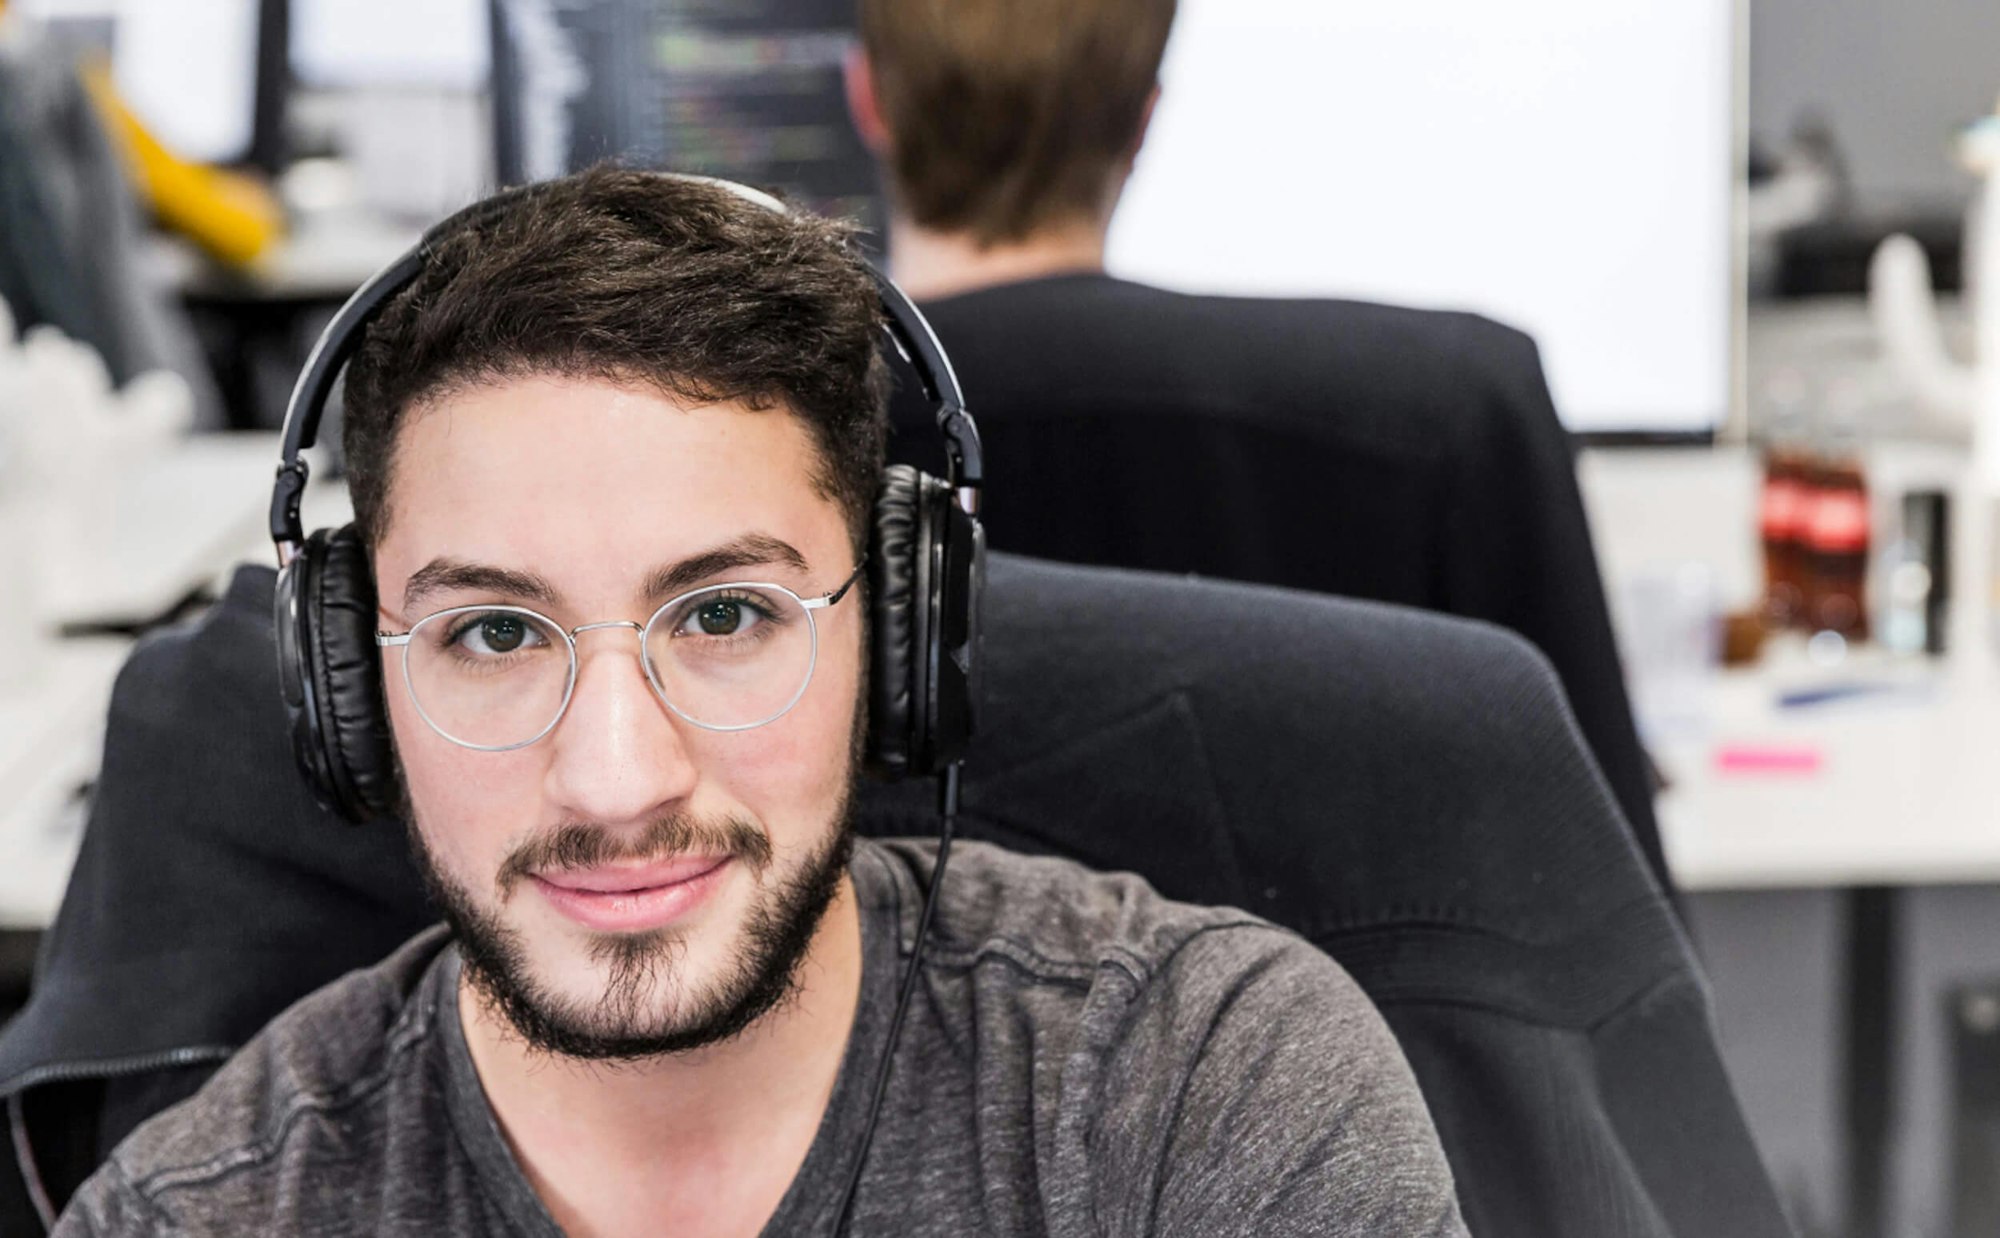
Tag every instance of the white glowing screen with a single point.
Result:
(1562, 165)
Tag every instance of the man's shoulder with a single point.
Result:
(1168, 1030)
(1394, 373)
(309, 1075)
(1056, 921)
(1125, 305)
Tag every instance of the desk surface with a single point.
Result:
(1907, 781)
(175, 521)
(1904, 793)
(320, 260)
(181, 521)
(51, 742)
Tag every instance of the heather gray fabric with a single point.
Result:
(1083, 1057)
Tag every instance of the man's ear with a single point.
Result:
(862, 103)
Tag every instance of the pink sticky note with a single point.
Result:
(1767, 759)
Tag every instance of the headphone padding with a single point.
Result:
(895, 606)
(347, 682)
(295, 675)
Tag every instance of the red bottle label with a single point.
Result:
(1837, 521)
(1784, 506)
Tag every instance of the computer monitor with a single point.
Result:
(1563, 165)
(189, 70)
(749, 90)
(375, 44)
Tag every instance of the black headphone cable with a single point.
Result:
(948, 820)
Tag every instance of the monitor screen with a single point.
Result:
(188, 70)
(353, 44)
(1562, 165)
(744, 89)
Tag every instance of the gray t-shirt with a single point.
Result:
(1083, 1057)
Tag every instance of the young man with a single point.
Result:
(1366, 450)
(644, 413)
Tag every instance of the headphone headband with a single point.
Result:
(905, 324)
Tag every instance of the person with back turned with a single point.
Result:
(1378, 452)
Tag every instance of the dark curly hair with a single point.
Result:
(634, 277)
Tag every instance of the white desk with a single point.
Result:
(51, 741)
(174, 521)
(1906, 790)
(1905, 794)
(183, 522)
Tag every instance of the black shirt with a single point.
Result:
(1377, 452)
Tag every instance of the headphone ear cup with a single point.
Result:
(331, 676)
(354, 711)
(292, 624)
(926, 573)
(958, 589)
(896, 555)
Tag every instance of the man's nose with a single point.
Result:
(619, 752)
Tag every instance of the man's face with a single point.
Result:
(630, 883)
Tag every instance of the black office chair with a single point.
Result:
(1407, 791)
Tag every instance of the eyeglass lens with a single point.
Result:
(726, 658)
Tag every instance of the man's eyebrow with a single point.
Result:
(749, 550)
(442, 575)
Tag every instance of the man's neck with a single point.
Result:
(712, 1137)
(929, 263)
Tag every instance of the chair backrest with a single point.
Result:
(1407, 791)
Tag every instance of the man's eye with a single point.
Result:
(721, 617)
(734, 614)
(497, 634)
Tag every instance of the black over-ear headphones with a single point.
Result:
(925, 570)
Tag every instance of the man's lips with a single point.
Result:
(632, 898)
(622, 879)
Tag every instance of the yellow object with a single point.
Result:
(230, 216)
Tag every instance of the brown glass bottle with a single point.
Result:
(1836, 538)
(1782, 513)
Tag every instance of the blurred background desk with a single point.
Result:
(51, 739)
(180, 522)
(171, 523)
(323, 258)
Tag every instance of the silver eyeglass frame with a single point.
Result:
(385, 640)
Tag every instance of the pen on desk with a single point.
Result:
(1828, 693)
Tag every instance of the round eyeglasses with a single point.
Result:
(723, 657)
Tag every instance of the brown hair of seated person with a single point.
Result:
(1003, 117)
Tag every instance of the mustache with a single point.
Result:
(584, 845)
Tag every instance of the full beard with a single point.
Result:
(648, 1007)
